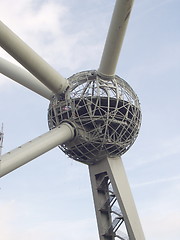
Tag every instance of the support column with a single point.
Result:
(113, 171)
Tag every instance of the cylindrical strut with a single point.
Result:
(18, 49)
(24, 78)
(30, 150)
(115, 37)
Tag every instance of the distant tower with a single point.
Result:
(1, 139)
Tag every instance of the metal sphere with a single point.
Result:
(106, 113)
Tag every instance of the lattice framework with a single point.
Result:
(105, 111)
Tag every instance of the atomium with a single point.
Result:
(94, 117)
(106, 114)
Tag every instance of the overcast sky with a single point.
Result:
(50, 198)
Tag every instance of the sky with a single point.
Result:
(50, 198)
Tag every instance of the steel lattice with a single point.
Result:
(106, 113)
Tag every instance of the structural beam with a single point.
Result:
(24, 78)
(38, 146)
(114, 169)
(115, 37)
(19, 50)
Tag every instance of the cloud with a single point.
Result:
(159, 209)
(7, 216)
(156, 181)
(13, 226)
(161, 222)
(161, 150)
(151, 6)
(58, 229)
(48, 30)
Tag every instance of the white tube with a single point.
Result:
(115, 37)
(24, 78)
(30, 150)
(18, 49)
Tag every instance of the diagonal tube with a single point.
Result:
(24, 78)
(115, 37)
(38, 146)
(18, 49)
